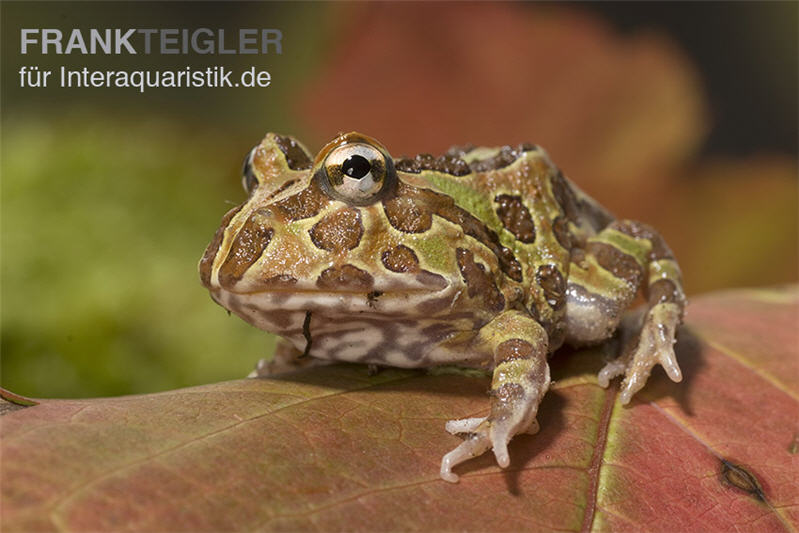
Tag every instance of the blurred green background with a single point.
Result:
(109, 197)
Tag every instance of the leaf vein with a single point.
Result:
(599, 455)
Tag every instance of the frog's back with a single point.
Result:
(537, 216)
(502, 186)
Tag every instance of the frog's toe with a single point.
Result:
(668, 360)
(464, 425)
(661, 330)
(616, 367)
(474, 445)
(499, 442)
(633, 382)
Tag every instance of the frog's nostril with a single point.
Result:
(296, 157)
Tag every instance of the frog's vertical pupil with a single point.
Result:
(356, 166)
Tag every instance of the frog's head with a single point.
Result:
(346, 230)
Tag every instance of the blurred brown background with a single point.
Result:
(680, 114)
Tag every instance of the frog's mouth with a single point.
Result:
(344, 281)
(343, 302)
(310, 292)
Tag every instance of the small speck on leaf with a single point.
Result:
(740, 478)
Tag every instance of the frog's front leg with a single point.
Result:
(518, 345)
(605, 278)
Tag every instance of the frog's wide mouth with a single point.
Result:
(377, 298)
(317, 298)
(339, 282)
(338, 292)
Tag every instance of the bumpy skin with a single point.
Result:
(485, 257)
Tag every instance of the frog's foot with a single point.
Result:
(521, 378)
(480, 434)
(655, 346)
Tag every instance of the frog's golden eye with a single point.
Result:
(248, 179)
(357, 173)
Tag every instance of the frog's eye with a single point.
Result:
(248, 179)
(357, 173)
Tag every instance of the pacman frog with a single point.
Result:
(482, 257)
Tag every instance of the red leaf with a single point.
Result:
(332, 448)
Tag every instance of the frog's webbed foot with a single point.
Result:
(480, 434)
(655, 346)
(521, 378)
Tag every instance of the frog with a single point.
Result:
(483, 257)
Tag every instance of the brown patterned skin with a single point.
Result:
(484, 257)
